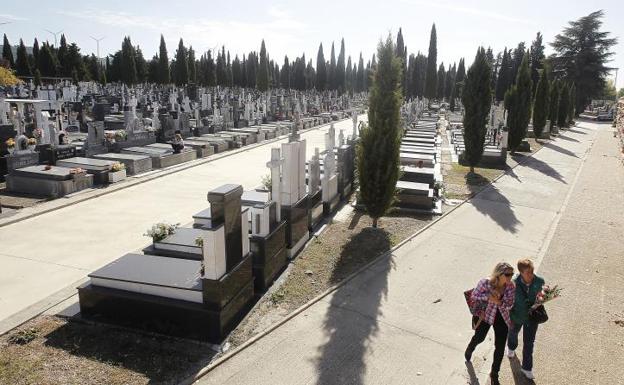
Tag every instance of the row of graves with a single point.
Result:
(74, 138)
(199, 281)
(420, 158)
(495, 147)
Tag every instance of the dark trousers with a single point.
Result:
(529, 330)
(500, 337)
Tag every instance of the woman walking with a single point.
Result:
(494, 298)
(528, 285)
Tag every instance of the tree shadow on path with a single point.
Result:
(539, 165)
(351, 319)
(492, 203)
(568, 138)
(561, 150)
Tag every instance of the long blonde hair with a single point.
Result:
(500, 269)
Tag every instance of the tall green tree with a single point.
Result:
(360, 75)
(192, 65)
(553, 107)
(378, 148)
(181, 65)
(321, 69)
(22, 66)
(128, 62)
(340, 68)
(141, 65)
(541, 104)
(519, 105)
(572, 105)
(459, 78)
(164, 76)
(285, 74)
(503, 81)
(331, 73)
(7, 52)
(536, 59)
(431, 81)
(476, 98)
(441, 78)
(263, 70)
(582, 52)
(564, 102)
(63, 49)
(401, 54)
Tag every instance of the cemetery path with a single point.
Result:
(42, 255)
(403, 320)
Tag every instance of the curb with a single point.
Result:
(333, 288)
(159, 174)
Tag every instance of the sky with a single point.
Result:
(295, 27)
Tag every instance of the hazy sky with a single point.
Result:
(290, 28)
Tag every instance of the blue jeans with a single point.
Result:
(528, 340)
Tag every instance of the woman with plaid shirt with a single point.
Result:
(493, 298)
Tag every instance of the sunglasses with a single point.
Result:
(508, 275)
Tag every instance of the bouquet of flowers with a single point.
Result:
(161, 230)
(76, 170)
(547, 294)
(118, 166)
(10, 143)
(32, 141)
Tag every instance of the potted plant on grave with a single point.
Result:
(32, 143)
(110, 138)
(199, 241)
(160, 231)
(10, 143)
(117, 172)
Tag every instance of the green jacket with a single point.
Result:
(520, 310)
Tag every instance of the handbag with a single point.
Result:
(537, 314)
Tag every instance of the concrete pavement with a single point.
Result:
(46, 254)
(404, 319)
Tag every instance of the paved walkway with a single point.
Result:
(43, 255)
(404, 319)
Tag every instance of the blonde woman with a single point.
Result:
(495, 297)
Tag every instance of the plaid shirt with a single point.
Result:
(487, 310)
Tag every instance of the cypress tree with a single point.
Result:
(37, 78)
(141, 65)
(181, 65)
(65, 69)
(164, 76)
(331, 74)
(340, 68)
(519, 105)
(321, 69)
(285, 75)
(502, 83)
(210, 75)
(192, 66)
(459, 78)
(537, 58)
(35, 53)
(128, 62)
(554, 104)
(541, 104)
(22, 66)
(7, 52)
(348, 75)
(431, 81)
(476, 98)
(562, 111)
(441, 77)
(378, 148)
(572, 104)
(360, 75)
(401, 54)
(263, 70)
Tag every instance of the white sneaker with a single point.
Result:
(528, 374)
(511, 353)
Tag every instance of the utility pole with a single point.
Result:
(55, 34)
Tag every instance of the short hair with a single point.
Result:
(525, 264)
